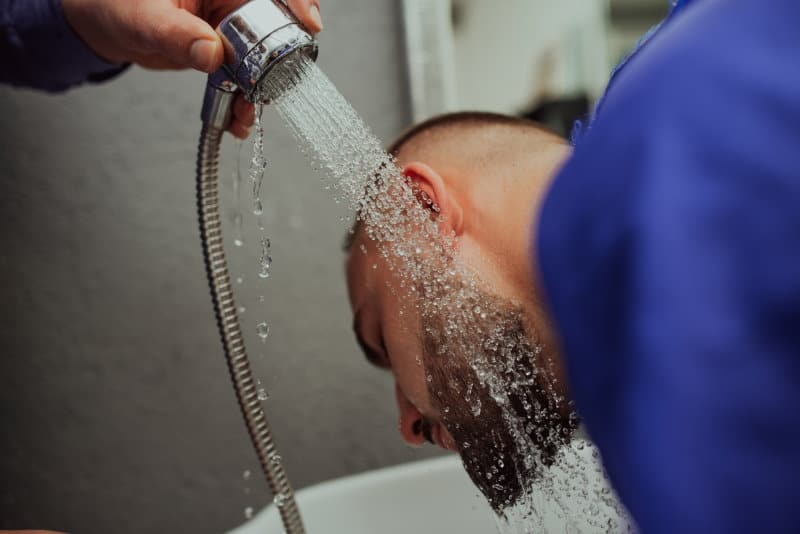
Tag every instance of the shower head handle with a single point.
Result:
(255, 37)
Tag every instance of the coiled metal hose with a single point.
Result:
(232, 341)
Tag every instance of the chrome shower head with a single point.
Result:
(256, 37)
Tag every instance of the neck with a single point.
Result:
(503, 222)
(502, 228)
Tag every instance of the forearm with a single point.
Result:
(39, 49)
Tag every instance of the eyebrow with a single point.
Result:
(372, 356)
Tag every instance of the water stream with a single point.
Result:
(493, 383)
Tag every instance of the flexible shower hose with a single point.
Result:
(232, 341)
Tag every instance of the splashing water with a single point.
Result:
(484, 367)
(258, 164)
(266, 259)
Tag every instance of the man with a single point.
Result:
(667, 250)
(482, 177)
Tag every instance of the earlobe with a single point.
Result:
(434, 195)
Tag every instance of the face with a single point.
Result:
(387, 328)
(468, 368)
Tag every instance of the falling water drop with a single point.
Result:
(238, 238)
(248, 512)
(259, 163)
(266, 259)
(263, 331)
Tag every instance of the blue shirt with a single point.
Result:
(669, 246)
(39, 49)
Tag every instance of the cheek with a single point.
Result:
(405, 353)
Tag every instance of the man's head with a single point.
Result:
(457, 316)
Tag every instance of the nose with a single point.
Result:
(410, 419)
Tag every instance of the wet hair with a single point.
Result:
(449, 124)
(452, 123)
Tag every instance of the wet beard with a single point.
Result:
(497, 395)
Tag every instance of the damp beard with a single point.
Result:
(496, 392)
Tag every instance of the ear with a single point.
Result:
(434, 195)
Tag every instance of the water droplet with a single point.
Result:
(239, 280)
(266, 259)
(475, 407)
(263, 331)
(248, 512)
(242, 309)
(246, 474)
(262, 394)
(238, 239)
(279, 500)
(258, 207)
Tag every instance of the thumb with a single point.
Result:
(179, 36)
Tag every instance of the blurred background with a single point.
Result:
(116, 412)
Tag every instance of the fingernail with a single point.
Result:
(316, 18)
(202, 54)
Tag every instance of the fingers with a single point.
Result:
(244, 110)
(244, 116)
(239, 130)
(307, 12)
(183, 39)
(216, 10)
(156, 62)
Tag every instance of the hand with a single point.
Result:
(168, 34)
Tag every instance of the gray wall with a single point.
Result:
(116, 413)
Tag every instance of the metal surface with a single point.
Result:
(256, 37)
(219, 281)
(218, 100)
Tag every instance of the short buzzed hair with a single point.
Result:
(453, 122)
(441, 126)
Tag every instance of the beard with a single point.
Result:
(496, 392)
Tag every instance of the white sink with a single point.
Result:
(426, 497)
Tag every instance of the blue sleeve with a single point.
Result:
(669, 246)
(39, 49)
